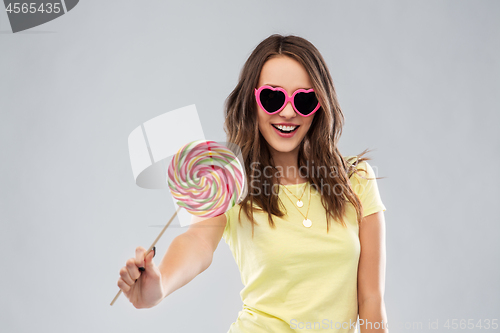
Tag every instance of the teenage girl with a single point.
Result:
(309, 238)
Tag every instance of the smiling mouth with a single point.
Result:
(286, 129)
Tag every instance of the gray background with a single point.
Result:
(418, 82)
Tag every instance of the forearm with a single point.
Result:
(185, 258)
(372, 316)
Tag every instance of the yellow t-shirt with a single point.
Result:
(299, 279)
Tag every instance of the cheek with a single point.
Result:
(262, 118)
(307, 122)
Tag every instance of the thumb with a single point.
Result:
(149, 258)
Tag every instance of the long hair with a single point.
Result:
(318, 152)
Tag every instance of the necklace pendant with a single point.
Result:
(300, 203)
(307, 223)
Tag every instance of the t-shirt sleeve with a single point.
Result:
(367, 189)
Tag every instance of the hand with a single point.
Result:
(140, 280)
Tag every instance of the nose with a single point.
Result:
(288, 111)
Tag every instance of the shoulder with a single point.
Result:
(363, 168)
(232, 212)
(364, 180)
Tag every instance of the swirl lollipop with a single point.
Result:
(206, 178)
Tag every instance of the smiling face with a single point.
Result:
(284, 130)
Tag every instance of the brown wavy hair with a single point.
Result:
(241, 127)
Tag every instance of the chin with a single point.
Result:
(283, 147)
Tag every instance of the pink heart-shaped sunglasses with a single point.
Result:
(274, 99)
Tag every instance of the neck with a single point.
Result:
(287, 164)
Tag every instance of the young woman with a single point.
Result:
(309, 239)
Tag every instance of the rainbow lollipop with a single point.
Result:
(206, 178)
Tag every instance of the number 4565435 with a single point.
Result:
(26, 8)
(470, 324)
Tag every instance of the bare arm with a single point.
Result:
(145, 284)
(190, 253)
(371, 274)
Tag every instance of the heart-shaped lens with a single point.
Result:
(305, 102)
(272, 100)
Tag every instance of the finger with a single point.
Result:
(140, 252)
(133, 272)
(123, 286)
(125, 275)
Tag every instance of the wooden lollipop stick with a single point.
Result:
(151, 247)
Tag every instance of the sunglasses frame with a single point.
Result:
(287, 99)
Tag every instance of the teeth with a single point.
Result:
(286, 128)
